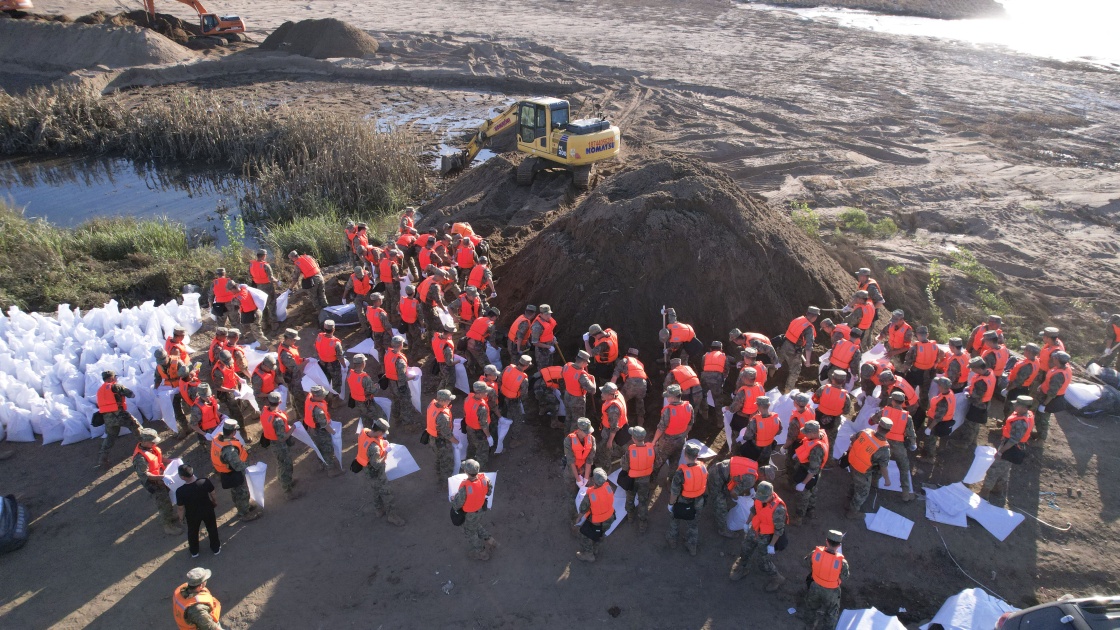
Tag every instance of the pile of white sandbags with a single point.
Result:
(50, 367)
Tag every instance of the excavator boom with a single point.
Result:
(504, 121)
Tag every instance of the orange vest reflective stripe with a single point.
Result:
(373, 316)
(611, 339)
(695, 480)
(228, 373)
(572, 385)
(211, 417)
(309, 407)
(580, 449)
(798, 417)
(391, 356)
(476, 493)
(468, 308)
(548, 329)
(184, 389)
(307, 266)
(864, 446)
(439, 342)
(686, 377)
(180, 604)
(154, 458)
(107, 401)
(1047, 350)
(760, 371)
(512, 377)
(170, 374)
(866, 315)
(763, 521)
(1019, 417)
(680, 333)
(807, 445)
(258, 272)
(1045, 387)
(512, 334)
(268, 379)
(634, 369)
(641, 460)
(879, 365)
(552, 375)
(365, 438)
(827, 567)
(905, 387)
(464, 255)
(750, 400)
(408, 309)
(962, 359)
(326, 346)
(831, 400)
(222, 294)
(433, 414)
(470, 410)
(842, 354)
(1002, 357)
(900, 418)
(354, 385)
(739, 467)
(476, 275)
(269, 431)
(479, 328)
(619, 402)
(950, 408)
(602, 503)
(989, 380)
(767, 429)
(680, 414)
(896, 336)
(216, 451)
(715, 361)
(925, 357)
(293, 352)
(361, 285)
(796, 329)
(1023, 364)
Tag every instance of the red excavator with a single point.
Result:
(15, 5)
(211, 23)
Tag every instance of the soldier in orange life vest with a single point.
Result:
(798, 417)
(542, 335)
(147, 462)
(183, 399)
(744, 403)
(920, 365)
(250, 315)
(846, 355)
(408, 310)
(237, 351)
(406, 243)
(175, 345)
(602, 344)
(749, 361)
(1023, 373)
(900, 439)
(465, 258)
(715, 366)
(216, 345)
(192, 605)
(380, 329)
(634, 386)
(263, 279)
(443, 349)
(1050, 344)
(291, 370)
(691, 390)
(614, 436)
(890, 383)
(995, 354)
(372, 452)
(317, 419)
(441, 435)
(761, 343)
(517, 339)
(576, 386)
(205, 415)
(758, 439)
(359, 286)
(634, 478)
(113, 407)
(515, 389)
(466, 308)
(809, 459)
(227, 384)
(471, 499)
(730, 479)
(1111, 342)
(167, 369)
(833, 400)
(351, 230)
(579, 454)
(827, 570)
(797, 349)
(265, 379)
(869, 455)
(677, 418)
(598, 509)
(981, 387)
(329, 349)
(861, 317)
(481, 332)
(897, 336)
(476, 417)
(361, 389)
(389, 274)
(766, 526)
(940, 416)
(309, 278)
(955, 365)
(871, 286)
(686, 496)
(230, 459)
(276, 432)
(680, 338)
(827, 329)
(1051, 392)
(396, 370)
(1012, 451)
(976, 337)
(408, 219)
(220, 297)
(482, 279)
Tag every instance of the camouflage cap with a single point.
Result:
(379, 424)
(530, 308)
(274, 398)
(1049, 331)
(377, 296)
(886, 375)
(329, 324)
(160, 354)
(838, 375)
(811, 427)
(291, 333)
(674, 362)
(198, 576)
(583, 356)
(639, 433)
(229, 426)
(490, 370)
(943, 382)
(359, 358)
(672, 390)
(594, 329)
(762, 401)
(813, 310)
(1114, 318)
(293, 254)
(473, 291)
(269, 360)
(178, 331)
(262, 252)
(750, 352)
(445, 395)
(493, 311)
(544, 309)
(862, 294)
(480, 388)
(991, 335)
(897, 396)
(409, 290)
(956, 342)
(632, 352)
(750, 372)
(801, 398)
(1062, 357)
(898, 314)
(203, 389)
(220, 331)
(599, 476)
(149, 436)
(717, 345)
(1024, 401)
(995, 319)
(886, 424)
(225, 355)
(834, 536)
(1031, 347)
(525, 359)
(691, 451)
(863, 271)
(360, 271)
(764, 491)
(396, 342)
(318, 390)
(735, 332)
(220, 271)
(921, 330)
(470, 467)
(233, 332)
(583, 424)
(609, 388)
(976, 362)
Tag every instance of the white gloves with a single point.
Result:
(490, 441)
(770, 549)
(1003, 393)
(929, 431)
(742, 437)
(777, 366)
(913, 447)
(800, 488)
(846, 309)
(1042, 409)
(782, 450)
(493, 295)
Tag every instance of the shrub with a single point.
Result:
(856, 221)
(806, 219)
(965, 262)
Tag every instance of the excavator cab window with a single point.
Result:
(209, 22)
(560, 118)
(533, 122)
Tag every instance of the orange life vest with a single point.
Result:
(433, 413)
(512, 377)
(619, 402)
(602, 503)
(763, 521)
(258, 272)
(715, 361)
(905, 387)
(1002, 357)
(989, 380)
(170, 374)
(425, 257)
(154, 458)
(174, 348)
(548, 329)
(925, 355)
(407, 308)
(864, 446)
(680, 333)
(464, 255)
(750, 398)
(424, 289)
(185, 386)
(512, 334)
(309, 407)
(479, 329)
(827, 567)
(180, 604)
(641, 460)
(1045, 387)
(391, 357)
(878, 365)
(796, 329)
(1049, 349)
(580, 449)
(293, 352)
(900, 418)
(634, 369)
(831, 400)
(871, 282)
(760, 371)
(866, 315)
(268, 379)
(695, 480)
(107, 401)
(1020, 365)
(267, 427)
(326, 346)
(686, 377)
(976, 341)
(354, 385)
(365, 438)
(842, 354)
(373, 316)
(739, 467)
(950, 408)
(680, 414)
(767, 429)
(468, 308)
(222, 294)
(476, 493)
(963, 359)
(470, 410)
(476, 276)
(552, 375)
(807, 445)
(245, 299)
(216, 453)
(439, 343)
(611, 339)
(896, 336)
(229, 377)
(307, 266)
(1115, 333)
(572, 385)
(211, 417)
(1028, 417)
(361, 285)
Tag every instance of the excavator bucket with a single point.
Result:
(450, 164)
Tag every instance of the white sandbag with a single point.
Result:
(971, 608)
(461, 382)
(889, 523)
(52, 426)
(983, 459)
(386, 406)
(300, 433)
(313, 375)
(868, 619)
(363, 347)
(74, 429)
(619, 507)
(171, 477)
(164, 410)
(1078, 395)
(870, 406)
(737, 516)
(414, 374)
(405, 283)
(446, 319)
(705, 451)
(453, 487)
(896, 478)
(844, 435)
(711, 401)
(563, 411)
(18, 424)
(336, 440)
(503, 429)
(944, 506)
(254, 355)
(494, 356)
(283, 391)
(245, 392)
(399, 462)
(727, 415)
(460, 449)
(282, 306)
(961, 410)
(255, 478)
(260, 298)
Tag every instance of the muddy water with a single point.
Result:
(69, 191)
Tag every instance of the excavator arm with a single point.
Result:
(503, 122)
(210, 23)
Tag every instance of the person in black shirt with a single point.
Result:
(196, 502)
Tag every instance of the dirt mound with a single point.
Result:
(59, 46)
(171, 27)
(321, 39)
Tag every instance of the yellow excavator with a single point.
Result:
(210, 23)
(551, 140)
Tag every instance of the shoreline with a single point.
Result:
(933, 9)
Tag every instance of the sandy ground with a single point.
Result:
(1011, 156)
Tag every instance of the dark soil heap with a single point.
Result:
(663, 231)
(321, 39)
(169, 26)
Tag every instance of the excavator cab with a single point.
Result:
(212, 24)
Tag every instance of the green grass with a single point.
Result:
(806, 219)
(856, 221)
(896, 270)
(965, 262)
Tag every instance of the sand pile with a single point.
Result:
(171, 27)
(321, 39)
(58, 46)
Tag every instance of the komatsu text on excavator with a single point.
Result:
(211, 23)
(550, 139)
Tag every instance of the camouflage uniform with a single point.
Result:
(239, 493)
(752, 540)
(378, 482)
(478, 448)
(586, 545)
(793, 356)
(447, 369)
(642, 490)
(1042, 418)
(862, 482)
(158, 490)
(368, 408)
(476, 534)
(998, 479)
(691, 528)
(604, 456)
(444, 449)
(576, 406)
(542, 354)
(970, 429)
(570, 481)
(269, 314)
(293, 379)
(929, 447)
(633, 390)
(198, 615)
(807, 498)
(283, 455)
(403, 411)
(712, 383)
(114, 420)
(322, 437)
(719, 477)
(823, 604)
(900, 453)
(668, 448)
(547, 403)
(514, 408)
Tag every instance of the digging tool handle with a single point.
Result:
(559, 352)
